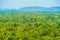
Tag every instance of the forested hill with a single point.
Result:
(33, 8)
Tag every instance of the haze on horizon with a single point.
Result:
(16, 4)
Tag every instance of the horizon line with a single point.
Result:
(29, 6)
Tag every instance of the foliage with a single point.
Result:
(29, 26)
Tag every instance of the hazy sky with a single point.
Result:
(16, 4)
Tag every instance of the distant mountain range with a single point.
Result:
(35, 8)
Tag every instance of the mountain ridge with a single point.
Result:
(34, 8)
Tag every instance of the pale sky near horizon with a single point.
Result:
(16, 4)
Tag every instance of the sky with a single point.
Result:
(16, 4)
